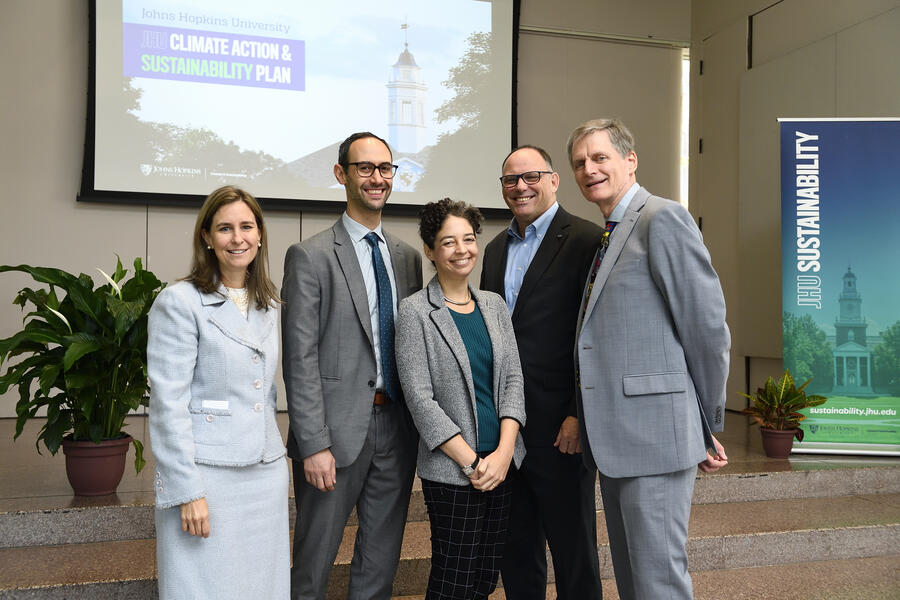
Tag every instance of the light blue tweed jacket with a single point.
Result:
(437, 379)
(212, 388)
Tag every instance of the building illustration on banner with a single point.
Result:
(852, 354)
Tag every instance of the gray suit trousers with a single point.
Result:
(378, 483)
(651, 562)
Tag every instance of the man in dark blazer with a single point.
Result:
(350, 439)
(652, 355)
(539, 266)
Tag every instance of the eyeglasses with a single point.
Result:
(529, 177)
(366, 169)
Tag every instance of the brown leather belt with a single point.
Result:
(381, 398)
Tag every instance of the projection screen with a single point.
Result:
(189, 95)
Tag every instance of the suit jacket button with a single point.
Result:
(371, 383)
(257, 407)
(210, 418)
(257, 384)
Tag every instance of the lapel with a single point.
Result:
(616, 245)
(394, 249)
(251, 332)
(443, 321)
(347, 259)
(494, 269)
(553, 241)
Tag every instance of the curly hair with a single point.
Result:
(433, 215)
(204, 271)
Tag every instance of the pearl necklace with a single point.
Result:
(241, 298)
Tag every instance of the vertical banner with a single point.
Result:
(840, 232)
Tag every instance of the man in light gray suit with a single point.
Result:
(350, 439)
(652, 356)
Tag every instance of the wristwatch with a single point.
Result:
(469, 470)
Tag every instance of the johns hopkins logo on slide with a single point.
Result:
(167, 171)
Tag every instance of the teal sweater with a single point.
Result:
(481, 360)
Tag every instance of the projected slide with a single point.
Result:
(194, 94)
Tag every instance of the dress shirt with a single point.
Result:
(363, 248)
(521, 250)
(619, 211)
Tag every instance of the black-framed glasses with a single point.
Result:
(529, 177)
(366, 168)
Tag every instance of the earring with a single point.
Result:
(259, 244)
(208, 247)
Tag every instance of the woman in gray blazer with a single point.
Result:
(221, 475)
(460, 372)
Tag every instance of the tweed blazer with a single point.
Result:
(437, 379)
(653, 345)
(212, 388)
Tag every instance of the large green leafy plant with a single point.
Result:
(85, 353)
(777, 404)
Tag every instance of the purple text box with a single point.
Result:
(212, 57)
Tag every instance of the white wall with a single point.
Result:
(563, 80)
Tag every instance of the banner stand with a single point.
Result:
(840, 203)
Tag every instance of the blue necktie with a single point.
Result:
(385, 321)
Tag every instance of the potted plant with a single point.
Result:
(85, 361)
(776, 408)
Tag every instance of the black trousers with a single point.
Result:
(552, 503)
(468, 531)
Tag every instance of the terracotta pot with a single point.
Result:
(777, 443)
(95, 469)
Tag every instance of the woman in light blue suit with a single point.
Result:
(459, 367)
(221, 475)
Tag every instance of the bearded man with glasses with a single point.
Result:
(351, 439)
(539, 265)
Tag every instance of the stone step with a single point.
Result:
(129, 515)
(755, 514)
(796, 478)
(722, 536)
(97, 571)
(725, 538)
(876, 578)
(858, 579)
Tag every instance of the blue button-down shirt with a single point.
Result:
(520, 252)
(363, 248)
(618, 212)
